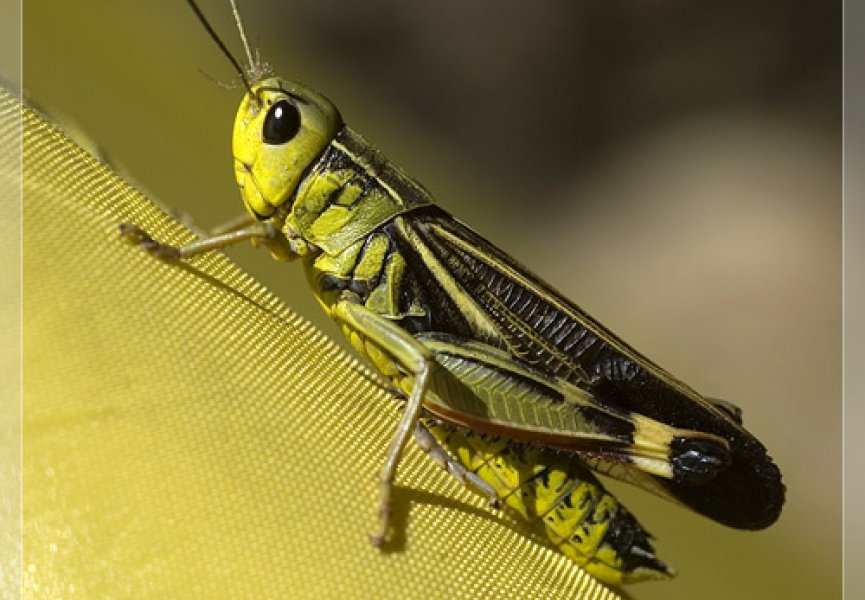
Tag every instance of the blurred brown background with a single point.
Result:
(674, 168)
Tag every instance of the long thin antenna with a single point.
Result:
(242, 31)
(203, 20)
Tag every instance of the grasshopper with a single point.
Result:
(509, 386)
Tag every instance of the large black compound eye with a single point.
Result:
(281, 123)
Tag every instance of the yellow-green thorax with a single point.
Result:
(299, 166)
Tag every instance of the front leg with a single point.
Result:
(234, 224)
(417, 361)
(263, 233)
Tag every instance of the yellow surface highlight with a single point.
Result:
(340, 264)
(372, 261)
(384, 299)
(163, 458)
(561, 521)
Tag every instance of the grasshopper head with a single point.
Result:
(280, 129)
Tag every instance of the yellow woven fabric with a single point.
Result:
(10, 349)
(186, 435)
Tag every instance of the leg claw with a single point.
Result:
(138, 237)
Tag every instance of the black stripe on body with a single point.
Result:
(442, 312)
